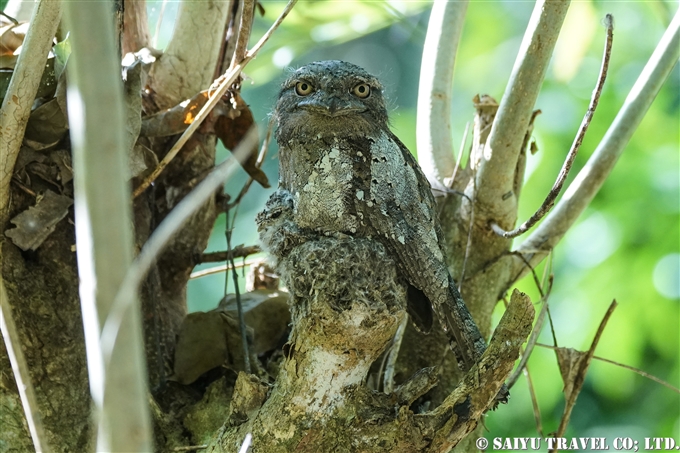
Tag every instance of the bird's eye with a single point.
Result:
(361, 90)
(303, 88)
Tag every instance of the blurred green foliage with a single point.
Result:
(626, 246)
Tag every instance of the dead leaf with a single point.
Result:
(231, 129)
(569, 361)
(11, 37)
(47, 125)
(62, 159)
(174, 120)
(36, 223)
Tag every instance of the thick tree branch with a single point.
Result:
(188, 63)
(589, 180)
(16, 106)
(135, 26)
(496, 174)
(103, 233)
(433, 127)
(476, 393)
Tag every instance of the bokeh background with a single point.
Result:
(626, 246)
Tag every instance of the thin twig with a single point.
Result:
(190, 448)
(239, 306)
(228, 80)
(533, 338)
(580, 377)
(460, 155)
(576, 145)
(392, 355)
(240, 251)
(534, 402)
(21, 374)
(158, 23)
(244, 31)
(224, 267)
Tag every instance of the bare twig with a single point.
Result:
(580, 377)
(534, 402)
(190, 448)
(533, 338)
(239, 306)
(224, 267)
(244, 31)
(161, 13)
(450, 183)
(21, 374)
(496, 175)
(18, 101)
(571, 156)
(593, 175)
(433, 126)
(135, 26)
(228, 80)
(240, 251)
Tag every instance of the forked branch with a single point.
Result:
(571, 156)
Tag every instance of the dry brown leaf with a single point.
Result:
(232, 128)
(36, 223)
(174, 120)
(46, 126)
(569, 361)
(11, 37)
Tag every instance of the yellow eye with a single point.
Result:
(361, 90)
(303, 88)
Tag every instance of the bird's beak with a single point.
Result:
(332, 107)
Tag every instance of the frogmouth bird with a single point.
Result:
(349, 174)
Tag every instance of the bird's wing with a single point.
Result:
(401, 213)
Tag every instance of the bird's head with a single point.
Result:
(332, 99)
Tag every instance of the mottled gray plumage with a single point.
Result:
(349, 174)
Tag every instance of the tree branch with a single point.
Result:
(17, 104)
(103, 228)
(497, 170)
(477, 391)
(571, 155)
(593, 175)
(21, 374)
(433, 126)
